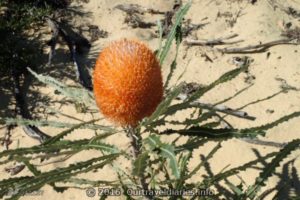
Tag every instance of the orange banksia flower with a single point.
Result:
(127, 82)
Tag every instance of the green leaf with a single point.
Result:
(153, 141)
(223, 175)
(184, 163)
(102, 146)
(192, 144)
(275, 123)
(189, 121)
(167, 151)
(45, 149)
(172, 69)
(24, 122)
(57, 175)
(178, 36)
(270, 168)
(140, 164)
(102, 136)
(163, 106)
(32, 168)
(183, 167)
(77, 145)
(8, 183)
(209, 156)
(178, 19)
(66, 132)
(237, 191)
(224, 78)
(78, 94)
(196, 95)
(160, 31)
(222, 133)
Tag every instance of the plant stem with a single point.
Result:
(136, 143)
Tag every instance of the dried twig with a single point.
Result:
(224, 109)
(136, 22)
(263, 143)
(137, 9)
(68, 155)
(15, 169)
(6, 139)
(133, 11)
(262, 47)
(189, 27)
(258, 48)
(167, 22)
(213, 42)
(190, 88)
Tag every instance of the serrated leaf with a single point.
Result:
(275, 123)
(224, 78)
(184, 163)
(97, 145)
(222, 133)
(196, 95)
(102, 136)
(35, 183)
(190, 122)
(178, 19)
(38, 123)
(183, 167)
(153, 141)
(160, 31)
(209, 156)
(140, 164)
(192, 144)
(65, 133)
(223, 175)
(270, 168)
(237, 191)
(78, 94)
(32, 168)
(167, 151)
(163, 106)
(178, 37)
(45, 149)
(77, 145)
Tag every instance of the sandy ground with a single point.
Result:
(254, 23)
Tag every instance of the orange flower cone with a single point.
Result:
(127, 82)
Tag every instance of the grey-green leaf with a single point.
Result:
(140, 164)
(167, 151)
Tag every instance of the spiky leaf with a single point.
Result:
(179, 16)
(271, 167)
(140, 164)
(167, 151)
(78, 94)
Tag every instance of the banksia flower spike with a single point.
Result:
(127, 82)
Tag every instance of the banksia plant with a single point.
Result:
(128, 87)
(127, 82)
